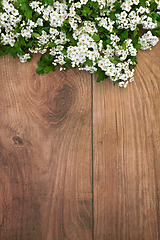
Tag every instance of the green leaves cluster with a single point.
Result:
(24, 8)
(88, 12)
(45, 64)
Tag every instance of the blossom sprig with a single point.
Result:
(99, 36)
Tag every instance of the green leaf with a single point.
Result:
(22, 1)
(30, 44)
(35, 16)
(124, 34)
(16, 44)
(117, 5)
(86, 10)
(111, 15)
(48, 69)
(40, 70)
(22, 41)
(94, 15)
(45, 58)
(73, 41)
(64, 51)
(48, 2)
(20, 51)
(124, 46)
(28, 14)
(6, 49)
(89, 62)
(94, 4)
(143, 3)
(13, 51)
(68, 35)
(114, 60)
(156, 32)
(46, 29)
(16, 30)
(137, 46)
(52, 44)
(68, 63)
(101, 76)
(155, 15)
(36, 35)
(135, 32)
(64, 28)
(2, 53)
(24, 7)
(96, 37)
(16, 5)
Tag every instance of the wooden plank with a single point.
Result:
(126, 144)
(45, 153)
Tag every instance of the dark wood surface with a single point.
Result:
(79, 159)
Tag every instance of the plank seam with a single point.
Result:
(92, 157)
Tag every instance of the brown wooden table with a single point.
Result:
(79, 159)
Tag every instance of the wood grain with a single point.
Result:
(79, 160)
(45, 153)
(126, 154)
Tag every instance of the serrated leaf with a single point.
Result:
(48, 69)
(94, 15)
(124, 46)
(20, 51)
(73, 41)
(117, 5)
(112, 16)
(40, 70)
(24, 7)
(45, 59)
(114, 60)
(28, 14)
(96, 37)
(64, 51)
(2, 53)
(155, 15)
(137, 46)
(30, 44)
(22, 41)
(36, 35)
(94, 4)
(21, 1)
(16, 30)
(89, 62)
(52, 44)
(124, 34)
(16, 44)
(86, 11)
(135, 32)
(101, 76)
(68, 35)
(156, 32)
(143, 3)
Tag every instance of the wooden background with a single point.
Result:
(79, 159)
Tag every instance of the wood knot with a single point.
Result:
(17, 140)
(60, 102)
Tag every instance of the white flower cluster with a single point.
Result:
(107, 23)
(24, 58)
(158, 3)
(9, 20)
(133, 18)
(72, 31)
(147, 41)
(86, 48)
